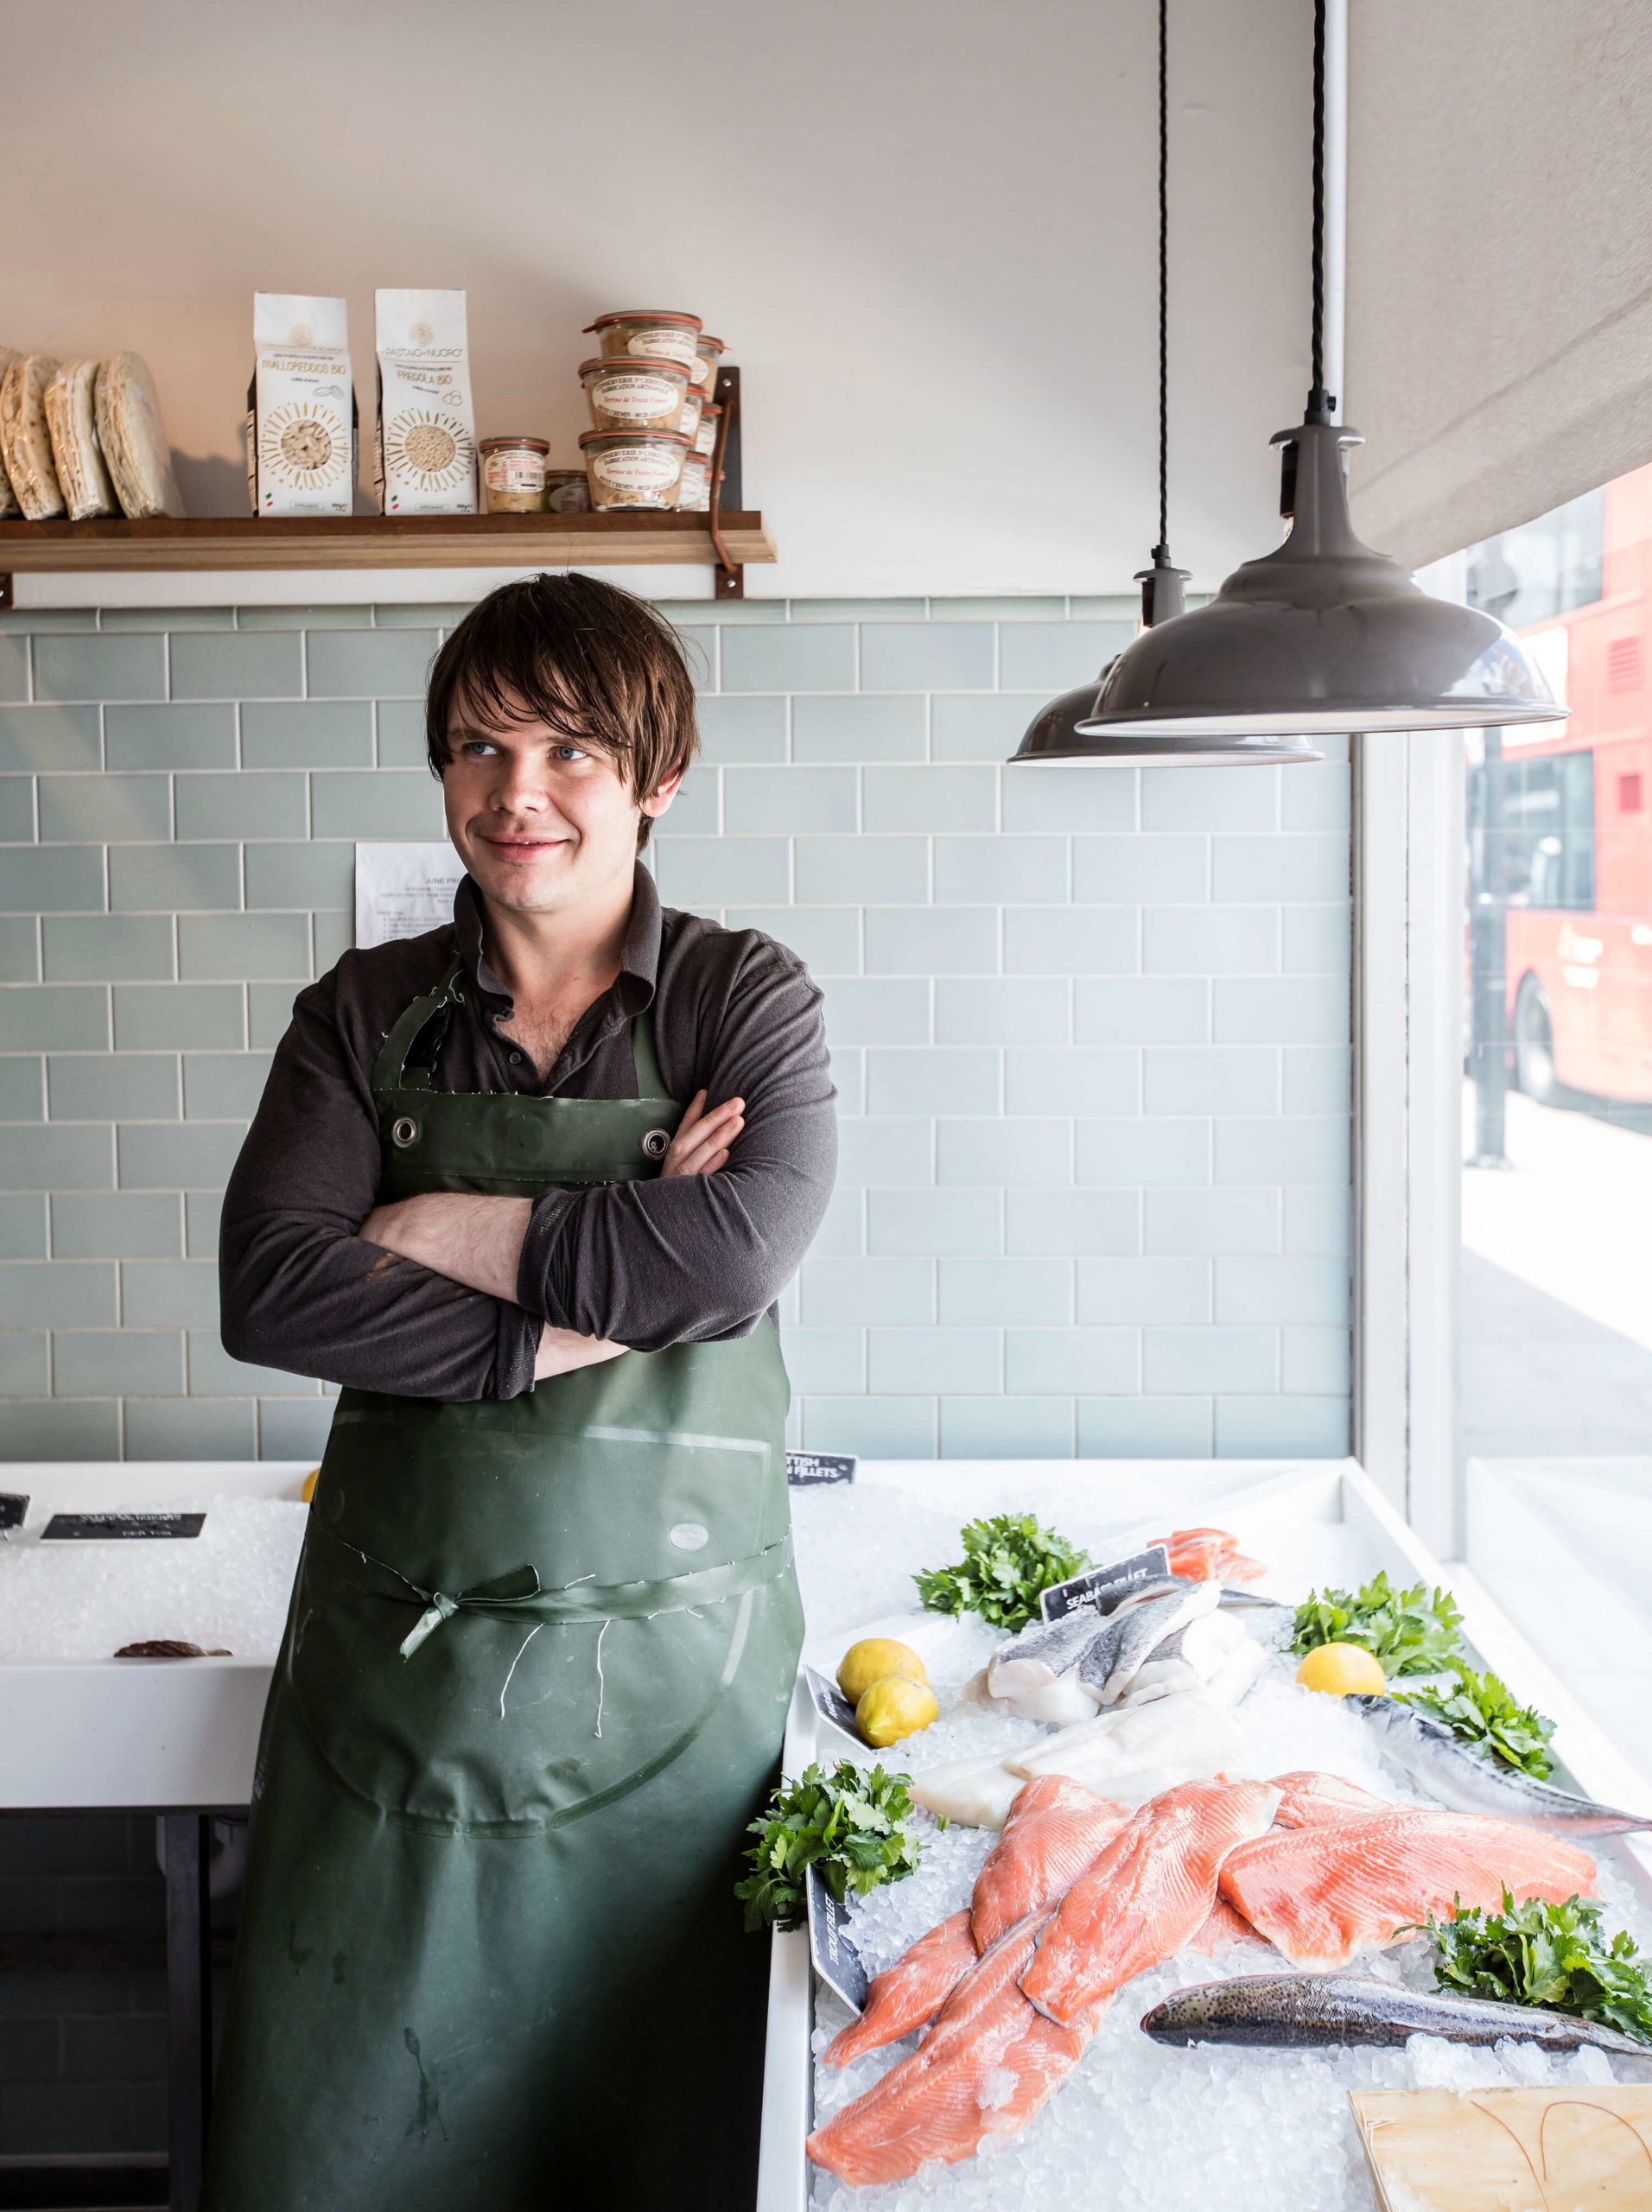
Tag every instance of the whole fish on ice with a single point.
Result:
(1323, 1894)
(909, 1993)
(984, 2069)
(1309, 2011)
(1442, 1764)
(1150, 1891)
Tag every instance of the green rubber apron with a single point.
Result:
(533, 1686)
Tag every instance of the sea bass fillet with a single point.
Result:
(909, 1993)
(984, 2069)
(1322, 1895)
(1055, 1828)
(1151, 1891)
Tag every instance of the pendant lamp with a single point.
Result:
(1323, 636)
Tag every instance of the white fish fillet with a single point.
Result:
(1186, 1732)
(977, 1793)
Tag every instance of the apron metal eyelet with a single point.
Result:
(657, 1143)
(404, 1132)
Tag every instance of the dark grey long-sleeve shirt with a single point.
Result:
(645, 1264)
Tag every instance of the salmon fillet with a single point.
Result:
(1055, 1828)
(1324, 1894)
(1312, 1800)
(909, 1993)
(984, 2069)
(1150, 1890)
(1209, 1555)
(1223, 1926)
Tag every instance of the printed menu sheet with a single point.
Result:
(404, 890)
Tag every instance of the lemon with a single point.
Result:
(893, 1707)
(1342, 1670)
(309, 1490)
(870, 1659)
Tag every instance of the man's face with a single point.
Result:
(542, 820)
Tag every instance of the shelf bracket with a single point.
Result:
(730, 582)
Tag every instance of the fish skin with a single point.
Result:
(929, 2105)
(1310, 2011)
(1314, 1800)
(1131, 1637)
(904, 1996)
(1440, 1762)
(1055, 1828)
(1148, 1893)
(1322, 1895)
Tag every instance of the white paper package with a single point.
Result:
(426, 448)
(301, 407)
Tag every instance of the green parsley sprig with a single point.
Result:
(1407, 1631)
(1552, 1956)
(852, 1825)
(1007, 1562)
(1484, 1713)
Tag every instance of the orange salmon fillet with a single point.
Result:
(984, 2069)
(1323, 1894)
(1055, 1828)
(1223, 1926)
(1150, 1890)
(909, 1993)
(1209, 1555)
(1312, 1800)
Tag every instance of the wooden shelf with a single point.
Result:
(378, 542)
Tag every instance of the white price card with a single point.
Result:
(404, 890)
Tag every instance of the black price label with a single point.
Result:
(836, 1960)
(14, 1506)
(1103, 1586)
(119, 1528)
(805, 1470)
(830, 1703)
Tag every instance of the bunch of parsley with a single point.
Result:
(1008, 1562)
(1407, 1631)
(1480, 1711)
(1553, 1956)
(851, 1824)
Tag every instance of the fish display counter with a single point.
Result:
(1172, 1905)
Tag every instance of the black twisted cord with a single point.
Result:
(1320, 402)
(1163, 282)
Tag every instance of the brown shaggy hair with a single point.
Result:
(581, 655)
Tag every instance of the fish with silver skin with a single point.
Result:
(1130, 1637)
(1462, 1778)
(1299, 2012)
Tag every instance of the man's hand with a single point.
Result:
(700, 1145)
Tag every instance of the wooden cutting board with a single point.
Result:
(1580, 2150)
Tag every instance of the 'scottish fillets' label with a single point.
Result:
(636, 398)
(514, 472)
(637, 468)
(664, 345)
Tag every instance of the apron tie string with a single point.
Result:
(585, 1600)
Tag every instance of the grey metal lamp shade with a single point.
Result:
(1323, 636)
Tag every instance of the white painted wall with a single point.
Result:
(926, 229)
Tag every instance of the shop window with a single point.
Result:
(1555, 1345)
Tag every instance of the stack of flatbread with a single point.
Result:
(82, 438)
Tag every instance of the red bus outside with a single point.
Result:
(1560, 824)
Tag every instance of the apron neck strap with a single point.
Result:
(392, 1069)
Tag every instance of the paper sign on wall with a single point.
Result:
(404, 890)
